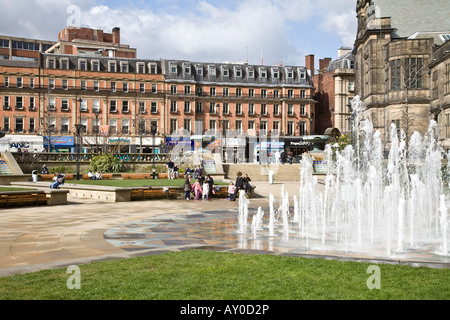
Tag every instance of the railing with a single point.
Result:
(48, 157)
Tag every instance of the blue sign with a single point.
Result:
(60, 142)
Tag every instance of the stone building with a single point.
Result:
(394, 42)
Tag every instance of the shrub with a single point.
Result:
(62, 169)
(106, 163)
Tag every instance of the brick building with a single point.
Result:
(88, 77)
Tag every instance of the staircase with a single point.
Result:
(257, 172)
(4, 168)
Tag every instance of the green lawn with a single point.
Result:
(137, 183)
(14, 189)
(208, 275)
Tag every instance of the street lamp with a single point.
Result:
(259, 134)
(96, 113)
(79, 127)
(224, 132)
(153, 131)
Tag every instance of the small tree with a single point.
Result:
(106, 163)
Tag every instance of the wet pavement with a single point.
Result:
(84, 231)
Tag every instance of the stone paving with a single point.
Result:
(84, 231)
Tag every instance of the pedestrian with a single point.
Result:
(247, 184)
(205, 191)
(58, 179)
(91, 175)
(44, 169)
(197, 188)
(198, 174)
(175, 172)
(239, 185)
(283, 157)
(210, 181)
(231, 190)
(98, 175)
(170, 166)
(187, 188)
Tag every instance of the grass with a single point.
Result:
(14, 189)
(137, 183)
(207, 275)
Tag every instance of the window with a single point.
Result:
(173, 68)
(19, 103)
(51, 63)
(173, 125)
(290, 128)
(212, 108)
(19, 125)
(187, 106)
(225, 72)
(225, 92)
(275, 73)
(65, 105)
(6, 102)
(413, 73)
(125, 86)
(95, 125)
(302, 74)
(95, 65)
(212, 91)
(173, 89)
(199, 107)
(51, 104)
(351, 85)
(141, 126)
(31, 125)
(141, 107)
(32, 83)
(96, 86)
(6, 81)
(212, 124)
(64, 84)
(19, 83)
(303, 94)
(32, 105)
(112, 66)
(263, 73)
(83, 84)
(212, 71)
(154, 88)
(275, 127)
(199, 70)
(302, 128)
(238, 92)
(187, 125)
(263, 109)
(187, 90)
(187, 68)
(226, 109)
(154, 107)
(290, 93)
(290, 110)
(142, 87)
(82, 65)
(64, 125)
(395, 74)
(153, 68)
(4, 43)
(251, 125)
(125, 108)
(276, 94)
(113, 126)
(125, 126)
(251, 108)
(447, 79)
(263, 127)
(173, 106)
(83, 105)
(113, 106)
(113, 86)
(140, 67)
(95, 106)
(238, 125)
(238, 72)
(238, 108)
(6, 124)
(251, 93)
(276, 109)
(302, 110)
(263, 93)
(51, 83)
(251, 73)
(123, 66)
(154, 126)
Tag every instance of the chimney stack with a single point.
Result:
(116, 35)
(309, 63)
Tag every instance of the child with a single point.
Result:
(197, 188)
(205, 191)
(231, 190)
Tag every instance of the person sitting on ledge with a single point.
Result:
(91, 175)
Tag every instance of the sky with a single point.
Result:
(258, 31)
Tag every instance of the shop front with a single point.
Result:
(59, 143)
(26, 143)
(297, 146)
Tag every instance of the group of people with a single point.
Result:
(242, 183)
(95, 176)
(172, 170)
(203, 187)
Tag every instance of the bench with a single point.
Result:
(143, 194)
(22, 198)
(136, 175)
(106, 176)
(165, 176)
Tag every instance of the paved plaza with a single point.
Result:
(84, 231)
